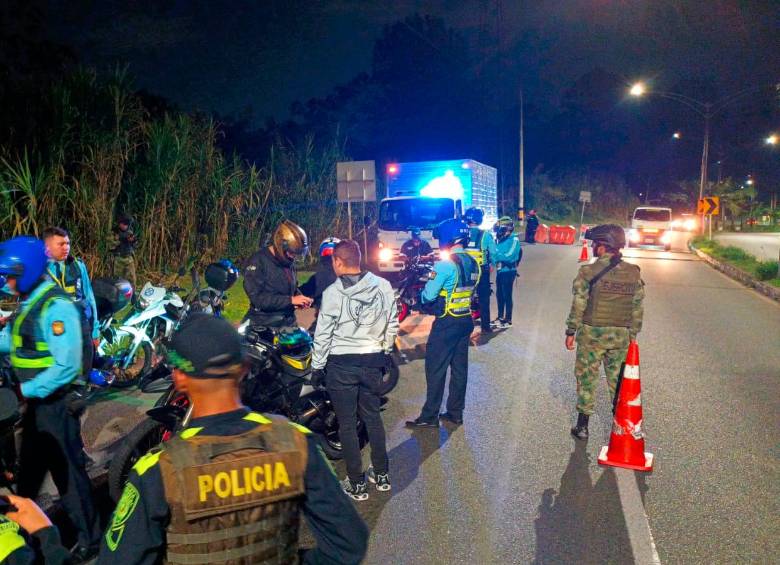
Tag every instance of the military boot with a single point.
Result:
(580, 431)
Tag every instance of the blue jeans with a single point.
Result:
(352, 391)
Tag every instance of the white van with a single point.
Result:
(651, 226)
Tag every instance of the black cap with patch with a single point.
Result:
(206, 347)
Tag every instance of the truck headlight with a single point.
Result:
(385, 255)
(633, 235)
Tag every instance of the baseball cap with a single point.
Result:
(205, 347)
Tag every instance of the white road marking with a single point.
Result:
(637, 524)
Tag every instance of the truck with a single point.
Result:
(423, 194)
(651, 226)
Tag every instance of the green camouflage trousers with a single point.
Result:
(124, 267)
(597, 345)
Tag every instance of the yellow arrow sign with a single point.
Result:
(709, 206)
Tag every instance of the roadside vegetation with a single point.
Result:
(765, 271)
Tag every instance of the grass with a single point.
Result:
(765, 271)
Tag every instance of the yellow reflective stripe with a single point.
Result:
(17, 340)
(147, 461)
(10, 540)
(300, 428)
(257, 418)
(60, 282)
(23, 363)
(41, 346)
(190, 432)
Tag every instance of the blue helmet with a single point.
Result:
(452, 232)
(23, 257)
(474, 216)
(328, 245)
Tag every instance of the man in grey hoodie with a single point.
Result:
(356, 330)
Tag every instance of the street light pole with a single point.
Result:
(521, 195)
(705, 155)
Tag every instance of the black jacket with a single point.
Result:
(322, 278)
(270, 285)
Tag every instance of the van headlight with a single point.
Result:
(385, 255)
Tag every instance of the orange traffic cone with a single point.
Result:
(627, 442)
(584, 252)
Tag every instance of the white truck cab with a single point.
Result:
(651, 226)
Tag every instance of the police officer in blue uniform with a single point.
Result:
(449, 292)
(482, 242)
(44, 342)
(70, 274)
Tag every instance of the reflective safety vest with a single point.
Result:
(235, 499)
(474, 249)
(457, 302)
(30, 353)
(611, 301)
(71, 282)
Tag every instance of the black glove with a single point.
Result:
(318, 377)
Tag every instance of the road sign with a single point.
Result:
(356, 181)
(709, 206)
(584, 196)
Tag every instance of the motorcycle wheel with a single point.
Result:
(146, 435)
(141, 365)
(329, 438)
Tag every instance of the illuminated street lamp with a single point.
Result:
(706, 110)
(677, 135)
(773, 139)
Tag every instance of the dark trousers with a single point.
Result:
(352, 390)
(87, 351)
(51, 441)
(483, 294)
(504, 286)
(530, 235)
(448, 347)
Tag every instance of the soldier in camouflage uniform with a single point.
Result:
(606, 314)
(122, 243)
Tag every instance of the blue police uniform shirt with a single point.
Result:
(65, 347)
(58, 267)
(446, 278)
(489, 247)
(508, 251)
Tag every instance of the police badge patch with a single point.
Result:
(58, 327)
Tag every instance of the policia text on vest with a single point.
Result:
(266, 478)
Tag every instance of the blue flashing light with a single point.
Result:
(445, 186)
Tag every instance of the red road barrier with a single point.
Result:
(542, 234)
(563, 235)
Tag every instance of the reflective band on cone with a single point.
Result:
(584, 252)
(627, 440)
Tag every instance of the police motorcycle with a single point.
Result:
(126, 348)
(411, 280)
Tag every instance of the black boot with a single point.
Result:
(580, 431)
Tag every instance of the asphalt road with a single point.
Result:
(764, 246)
(512, 486)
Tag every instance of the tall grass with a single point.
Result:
(101, 153)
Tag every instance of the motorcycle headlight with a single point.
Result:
(143, 304)
(385, 254)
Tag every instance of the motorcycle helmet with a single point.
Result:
(23, 257)
(221, 275)
(452, 232)
(474, 216)
(289, 241)
(328, 245)
(609, 235)
(504, 226)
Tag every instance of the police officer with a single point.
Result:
(123, 243)
(531, 225)
(70, 274)
(448, 343)
(508, 255)
(606, 314)
(230, 488)
(44, 341)
(270, 281)
(27, 536)
(416, 246)
(482, 247)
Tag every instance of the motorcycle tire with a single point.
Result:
(331, 445)
(125, 379)
(389, 378)
(146, 435)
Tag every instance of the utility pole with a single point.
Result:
(521, 180)
(705, 155)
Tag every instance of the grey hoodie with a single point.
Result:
(359, 319)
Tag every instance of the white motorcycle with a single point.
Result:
(127, 350)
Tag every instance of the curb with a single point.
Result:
(739, 275)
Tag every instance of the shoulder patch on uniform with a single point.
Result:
(257, 418)
(300, 428)
(58, 327)
(124, 509)
(190, 432)
(147, 461)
